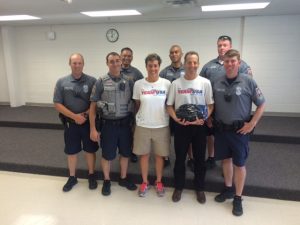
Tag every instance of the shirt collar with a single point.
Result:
(81, 79)
(237, 80)
(126, 69)
(218, 60)
(115, 79)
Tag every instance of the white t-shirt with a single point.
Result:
(197, 91)
(152, 96)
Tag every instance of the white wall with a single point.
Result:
(4, 97)
(272, 48)
(41, 62)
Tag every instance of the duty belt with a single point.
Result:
(117, 122)
(235, 126)
(64, 119)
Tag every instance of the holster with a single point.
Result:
(98, 124)
(64, 119)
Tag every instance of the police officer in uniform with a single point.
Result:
(212, 70)
(176, 69)
(111, 95)
(132, 73)
(234, 94)
(129, 71)
(71, 100)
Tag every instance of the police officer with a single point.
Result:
(127, 69)
(112, 95)
(71, 100)
(130, 73)
(190, 89)
(212, 70)
(176, 69)
(234, 94)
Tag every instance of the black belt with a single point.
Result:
(226, 127)
(64, 119)
(235, 126)
(116, 122)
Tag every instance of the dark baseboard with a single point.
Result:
(211, 186)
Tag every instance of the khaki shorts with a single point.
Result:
(156, 139)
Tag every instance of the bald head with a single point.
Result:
(76, 55)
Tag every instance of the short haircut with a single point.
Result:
(232, 53)
(126, 49)
(152, 57)
(190, 53)
(113, 54)
(76, 54)
(225, 38)
(175, 46)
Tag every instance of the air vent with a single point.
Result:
(178, 3)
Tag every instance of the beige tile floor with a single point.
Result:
(27, 199)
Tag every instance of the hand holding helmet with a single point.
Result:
(189, 112)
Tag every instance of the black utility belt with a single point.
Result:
(64, 119)
(235, 126)
(117, 122)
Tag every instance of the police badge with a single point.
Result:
(238, 90)
(85, 88)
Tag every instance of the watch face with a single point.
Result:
(112, 35)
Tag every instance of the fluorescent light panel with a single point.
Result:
(112, 13)
(242, 6)
(18, 17)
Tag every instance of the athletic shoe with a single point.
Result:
(72, 181)
(106, 188)
(237, 209)
(125, 182)
(92, 181)
(144, 187)
(227, 193)
(160, 189)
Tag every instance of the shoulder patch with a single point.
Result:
(258, 92)
(249, 71)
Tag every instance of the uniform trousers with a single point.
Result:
(183, 136)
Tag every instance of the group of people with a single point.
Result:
(133, 115)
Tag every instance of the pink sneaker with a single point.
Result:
(144, 187)
(160, 189)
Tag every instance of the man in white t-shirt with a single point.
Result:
(196, 90)
(152, 123)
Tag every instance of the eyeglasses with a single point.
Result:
(224, 37)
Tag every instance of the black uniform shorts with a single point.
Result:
(229, 144)
(77, 138)
(113, 137)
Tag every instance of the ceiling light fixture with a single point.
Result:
(67, 1)
(242, 6)
(179, 3)
(112, 13)
(18, 17)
